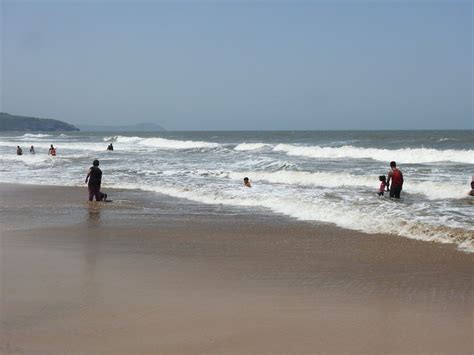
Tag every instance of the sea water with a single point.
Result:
(321, 176)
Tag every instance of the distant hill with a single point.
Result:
(139, 127)
(32, 124)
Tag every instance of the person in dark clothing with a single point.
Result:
(395, 180)
(110, 147)
(19, 151)
(94, 180)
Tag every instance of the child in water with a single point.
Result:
(247, 182)
(383, 185)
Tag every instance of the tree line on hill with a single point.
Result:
(31, 124)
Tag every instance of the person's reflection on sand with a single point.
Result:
(94, 215)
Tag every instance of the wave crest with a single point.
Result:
(39, 135)
(250, 146)
(163, 143)
(406, 155)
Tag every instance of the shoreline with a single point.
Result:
(151, 273)
(464, 244)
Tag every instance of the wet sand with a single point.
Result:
(152, 274)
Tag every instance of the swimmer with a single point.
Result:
(247, 182)
(32, 150)
(19, 151)
(52, 151)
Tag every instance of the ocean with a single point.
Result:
(321, 176)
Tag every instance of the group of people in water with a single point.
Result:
(93, 178)
(392, 183)
(51, 150)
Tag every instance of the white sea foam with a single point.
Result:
(162, 143)
(38, 135)
(404, 156)
(250, 146)
(27, 159)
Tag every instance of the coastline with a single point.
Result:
(150, 273)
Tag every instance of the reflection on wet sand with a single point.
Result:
(93, 215)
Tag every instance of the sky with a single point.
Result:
(240, 65)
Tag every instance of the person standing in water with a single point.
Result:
(94, 180)
(383, 185)
(19, 151)
(110, 147)
(395, 180)
(52, 151)
(32, 150)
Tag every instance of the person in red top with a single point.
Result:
(395, 180)
(52, 151)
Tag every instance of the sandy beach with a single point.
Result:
(152, 274)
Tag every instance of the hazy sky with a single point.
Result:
(240, 65)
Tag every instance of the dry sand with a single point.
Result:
(152, 274)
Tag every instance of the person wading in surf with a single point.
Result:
(52, 151)
(247, 182)
(395, 180)
(94, 180)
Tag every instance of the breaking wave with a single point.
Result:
(39, 135)
(250, 146)
(162, 143)
(406, 155)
